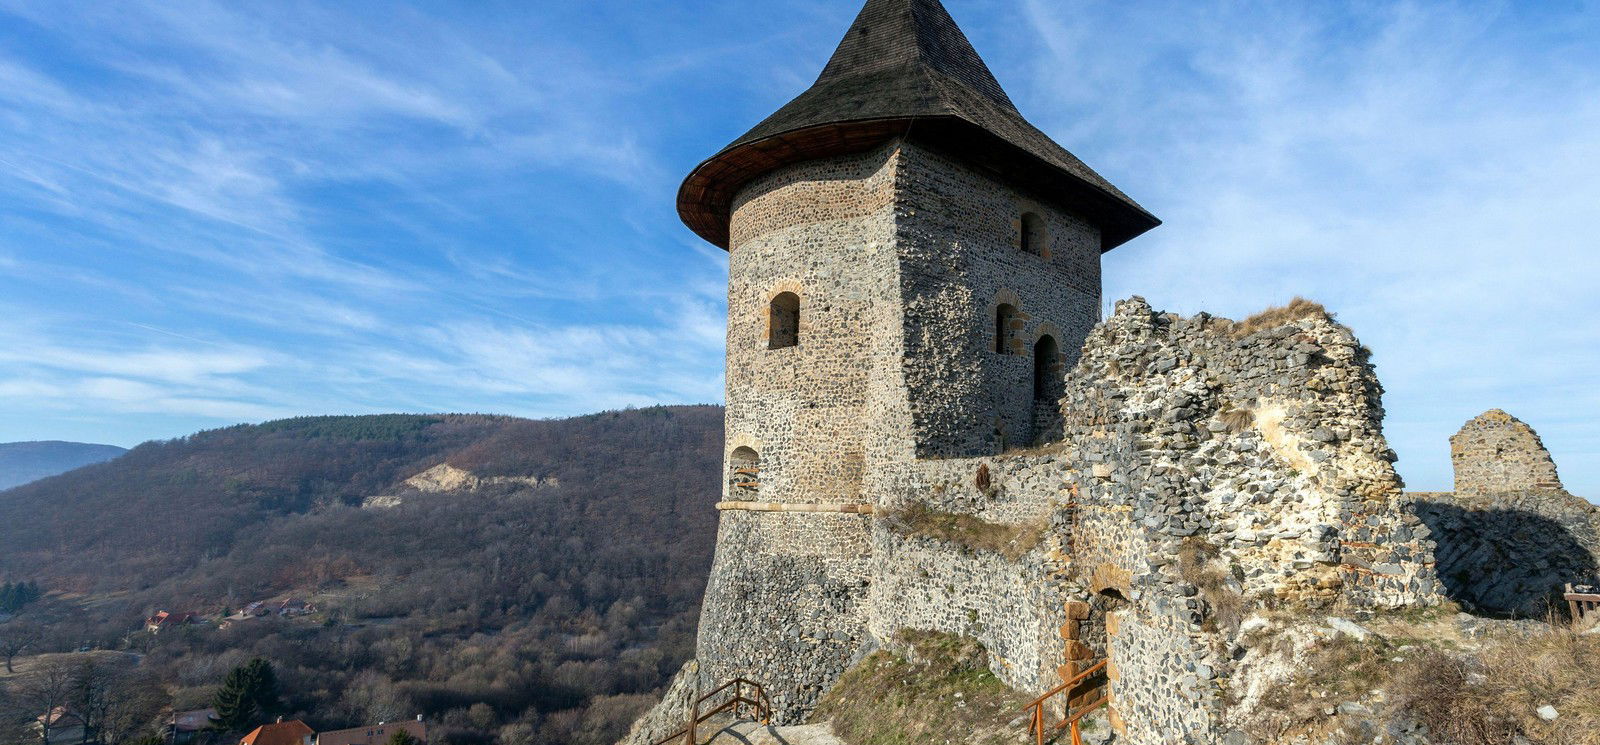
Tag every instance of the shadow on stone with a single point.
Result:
(1505, 562)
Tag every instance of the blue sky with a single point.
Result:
(222, 212)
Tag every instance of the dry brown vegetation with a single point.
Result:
(940, 693)
(1491, 696)
(1237, 420)
(1466, 691)
(1297, 309)
(1200, 566)
(977, 534)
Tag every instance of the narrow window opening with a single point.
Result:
(744, 474)
(1003, 317)
(1034, 238)
(784, 329)
(1046, 370)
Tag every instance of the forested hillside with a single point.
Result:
(536, 608)
(24, 462)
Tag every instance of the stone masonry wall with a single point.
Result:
(1510, 538)
(1261, 446)
(1266, 445)
(1257, 446)
(783, 605)
(1512, 553)
(961, 257)
(1498, 453)
(824, 231)
(1011, 606)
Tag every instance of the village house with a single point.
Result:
(184, 726)
(64, 726)
(293, 732)
(375, 735)
(295, 607)
(165, 620)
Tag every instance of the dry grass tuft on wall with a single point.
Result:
(1200, 566)
(974, 533)
(1298, 309)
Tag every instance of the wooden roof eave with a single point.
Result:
(706, 197)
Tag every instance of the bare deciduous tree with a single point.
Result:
(45, 695)
(17, 637)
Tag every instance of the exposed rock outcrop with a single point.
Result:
(445, 478)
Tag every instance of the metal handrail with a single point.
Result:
(761, 703)
(1035, 709)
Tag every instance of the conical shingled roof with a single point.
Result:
(906, 69)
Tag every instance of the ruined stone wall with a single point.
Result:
(961, 257)
(1011, 605)
(1257, 447)
(1266, 445)
(1510, 538)
(1498, 453)
(1512, 553)
(1162, 680)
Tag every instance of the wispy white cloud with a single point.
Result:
(435, 207)
(1422, 167)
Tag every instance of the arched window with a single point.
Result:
(1003, 316)
(744, 474)
(1047, 382)
(1035, 239)
(784, 322)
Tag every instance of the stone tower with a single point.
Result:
(913, 268)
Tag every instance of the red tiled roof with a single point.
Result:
(292, 732)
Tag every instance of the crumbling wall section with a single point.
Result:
(1511, 537)
(1512, 553)
(1497, 453)
(1257, 446)
(1264, 443)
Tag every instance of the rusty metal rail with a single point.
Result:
(1584, 602)
(760, 706)
(1035, 710)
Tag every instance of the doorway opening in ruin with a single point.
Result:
(1048, 387)
(744, 474)
(783, 329)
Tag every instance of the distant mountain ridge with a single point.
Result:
(26, 462)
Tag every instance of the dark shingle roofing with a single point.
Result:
(906, 69)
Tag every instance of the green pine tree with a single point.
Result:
(249, 693)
